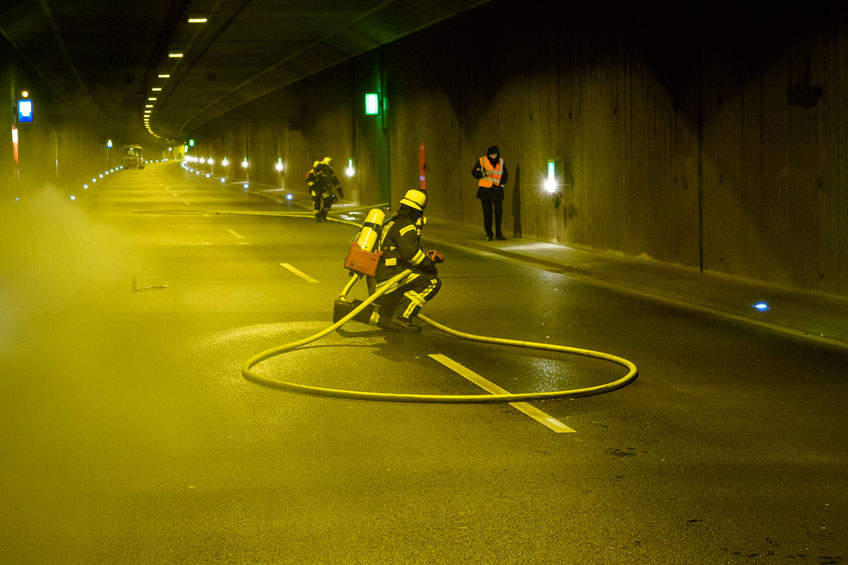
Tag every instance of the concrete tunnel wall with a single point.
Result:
(705, 142)
(714, 144)
(61, 148)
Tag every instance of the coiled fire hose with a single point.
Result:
(252, 376)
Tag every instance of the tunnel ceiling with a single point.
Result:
(106, 56)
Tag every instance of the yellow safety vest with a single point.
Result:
(493, 174)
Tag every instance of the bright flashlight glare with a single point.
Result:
(550, 185)
(350, 171)
(761, 306)
(223, 179)
(289, 196)
(279, 167)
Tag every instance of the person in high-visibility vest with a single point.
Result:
(491, 174)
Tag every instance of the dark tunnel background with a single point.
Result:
(709, 137)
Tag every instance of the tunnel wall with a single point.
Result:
(58, 148)
(714, 141)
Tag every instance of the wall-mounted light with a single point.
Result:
(164, 76)
(175, 54)
(197, 19)
(225, 162)
(350, 171)
(551, 184)
(278, 166)
(244, 163)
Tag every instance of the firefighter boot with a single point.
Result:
(401, 324)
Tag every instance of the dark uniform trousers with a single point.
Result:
(410, 295)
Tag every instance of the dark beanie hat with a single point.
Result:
(493, 149)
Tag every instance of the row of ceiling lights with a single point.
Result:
(154, 91)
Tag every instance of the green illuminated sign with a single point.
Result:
(372, 104)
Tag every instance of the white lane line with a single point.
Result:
(548, 421)
(299, 273)
(236, 234)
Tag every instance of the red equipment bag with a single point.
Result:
(361, 261)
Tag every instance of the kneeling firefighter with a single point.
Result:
(400, 245)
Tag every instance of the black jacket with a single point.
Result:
(400, 243)
(323, 180)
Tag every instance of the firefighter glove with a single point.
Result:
(435, 256)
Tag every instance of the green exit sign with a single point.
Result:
(372, 104)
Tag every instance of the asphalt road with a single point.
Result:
(129, 435)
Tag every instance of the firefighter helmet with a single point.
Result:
(415, 199)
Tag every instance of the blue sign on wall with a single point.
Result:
(24, 110)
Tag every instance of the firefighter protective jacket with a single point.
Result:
(400, 244)
(322, 180)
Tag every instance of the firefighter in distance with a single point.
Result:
(323, 186)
